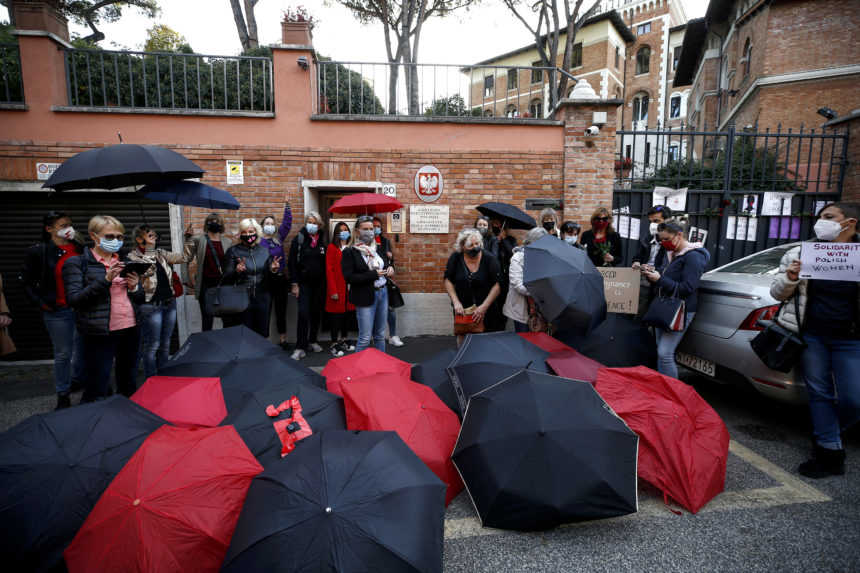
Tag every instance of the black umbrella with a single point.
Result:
(243, 360)
(432, 372)
(537, 450)
(620, 341)
(343, 501)
(566, 285)
(190, 193)
(485, 359)
(320, 409)
(122, 165)
(512, 217)
(54, 467)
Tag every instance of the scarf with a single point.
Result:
(374, 261)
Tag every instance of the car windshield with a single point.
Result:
(763, 263)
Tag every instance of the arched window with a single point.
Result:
(643, 60)
(640, 108)
(747, 57)
(512, 111)
(536, 108)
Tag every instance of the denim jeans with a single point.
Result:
(68, 346)
(100, 353)
(831, 370)
(372, 321)
(521, 326)
(392, 322)
(667, 342)
(157, 322)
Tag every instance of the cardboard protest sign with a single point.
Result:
(621, 288)
(830, 261)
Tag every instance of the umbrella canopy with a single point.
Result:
(432, 372)
(183, 401)
(486, 359)
(545, 341)
(54, 467)
(368, 362)
(365, 203)
(684, 443)
(320, 410)
(122, 165)
(190, 193)
(173, 507)
(620, 341)
(243, 360)
(420, 418)
(536, 451)
(344, 501)
(565, 284)
(572, 364)
(512, 217)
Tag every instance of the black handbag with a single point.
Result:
(224, 300)
(395, 297)
(778, 347)
(668, 313)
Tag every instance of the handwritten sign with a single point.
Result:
(675, 199)
(621, 287)
(830, 261)
(777, 204)
(429, 218)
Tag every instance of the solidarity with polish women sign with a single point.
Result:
(830, 261)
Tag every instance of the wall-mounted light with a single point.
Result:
(827, 113)
(303, 62)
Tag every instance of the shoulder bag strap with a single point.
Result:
(214, 256)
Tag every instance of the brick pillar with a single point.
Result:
(41, 30)
(42, 15)
(589, 161)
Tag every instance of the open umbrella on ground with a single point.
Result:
(54, 467)
(365, 203)
(183, 400)
(684, 443)
(565, 284)
(536, 451)
(340, 371)
(620, 341)
(173, 507)
(572, 364)
(262, 431)
(486, 359)
(545, 341)
(344, 501)
(432, 372)
(190, 193)
(420, 418)
(123, 165)
(243, 360)
(512, 217)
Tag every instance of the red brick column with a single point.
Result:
(589, 161)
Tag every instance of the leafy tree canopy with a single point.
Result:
(162, 38)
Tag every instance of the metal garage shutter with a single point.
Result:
(20, 226)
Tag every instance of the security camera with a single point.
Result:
(592, 131)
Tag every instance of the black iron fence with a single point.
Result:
(169, 81)
(744, 191)
(433, 90)
(11, 82)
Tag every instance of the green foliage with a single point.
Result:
(346, 91)
(11, 86)
(162, 38)
(453, 105)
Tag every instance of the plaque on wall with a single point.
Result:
(429, 218)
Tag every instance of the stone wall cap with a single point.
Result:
(42, 34)
(293, 47)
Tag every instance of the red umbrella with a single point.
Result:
(545, 341)
(365, 203)
(183, 400)
(415, 412)
(360, 364)
(683, 443)
(571, 364)
(173, 507)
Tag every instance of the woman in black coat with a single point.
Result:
(601, 242)
(307, 260)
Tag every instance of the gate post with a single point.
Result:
(727, 196)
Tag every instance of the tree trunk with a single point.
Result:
(253, 41)
(240, 24)
(392, 87)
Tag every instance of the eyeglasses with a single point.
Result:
(112, 237)
(601, 218)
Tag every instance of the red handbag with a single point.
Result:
(176, 282)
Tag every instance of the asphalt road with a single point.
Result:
(768, 519)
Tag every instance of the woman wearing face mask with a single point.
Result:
(158, 313)
(250, 263)
(366, 272)
(208, 249)
(307, 275)
(687, 262)
(42, 276)
(829, 323)
(516, 304)
(103, 301)
(549, 221)
(273, 239)
(336, 303)
(385, 250)
(570, 233)
(471, 277)
(601, 242)
(650, 255)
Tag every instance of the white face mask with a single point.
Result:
(68, 233)
(652, 228)
(269, 229)
(571, 239)
(827, 230)
(312, 228)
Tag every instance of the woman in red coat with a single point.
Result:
(336, 303)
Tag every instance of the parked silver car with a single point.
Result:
(732, 299)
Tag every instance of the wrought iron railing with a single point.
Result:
(169, 81)
(11, 81)
(433, 90)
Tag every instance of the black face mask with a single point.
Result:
(473, 252)
(214, 227)
(548, 225)
(249, 239)
(497, 231)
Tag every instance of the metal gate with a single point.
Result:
(746, 190)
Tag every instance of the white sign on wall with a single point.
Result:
(429, 218)
(389, 190)
(235, 172)
(45, 170)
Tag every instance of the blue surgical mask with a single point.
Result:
(571, 239)
(344, 235)
(377, 230)
(112, 246)
(312, 228)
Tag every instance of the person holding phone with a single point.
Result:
(651, 255)
(104, 305)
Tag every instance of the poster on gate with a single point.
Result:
(621, 288)
(830, 261)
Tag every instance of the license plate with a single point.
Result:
(695, 363)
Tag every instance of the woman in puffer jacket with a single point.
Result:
(829, 322)
(516, 305)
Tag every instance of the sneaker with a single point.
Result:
(336, 350)
(316, 347)
(395, 341)
(347, 345)
(298, 354)
(63, 402)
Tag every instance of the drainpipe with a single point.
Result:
(720, 83)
